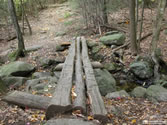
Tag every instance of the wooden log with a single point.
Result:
(97, 104)
(27, 100)
(61, 100)
(65, 121)
(80, 100)
(95, 65)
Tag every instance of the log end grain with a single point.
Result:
(52, 110)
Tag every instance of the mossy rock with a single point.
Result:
(127, 86)
(141, 70)
(96, 49)
(3, 88)
(114, 39)
(61, 33)
(13, 56)
(92, 44)
(60, 48)
(110, 67)
(17, 68)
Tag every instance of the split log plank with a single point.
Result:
(65, 121)
(27, 100)
(95, 65)
(61, 100)
(97, 103)
(80, 100)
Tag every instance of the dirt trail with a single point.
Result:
(56, 19)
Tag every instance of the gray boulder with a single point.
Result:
(111, 33)
(60, 48)
(61, 33)
(96, 49)
(105, 81)
(17, 68)
(92, 44)
(141, 70)
(4, 56)
(110, 67)
(41, 74)
(14, 81)
(114, 39)
(156, 93)
(33, 48)
(45, 62)
(118, 94)
(139, 92)
(42, 84)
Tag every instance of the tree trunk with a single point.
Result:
(141, 25)
(157, 25)
(156, 33)
(22, 16)
(133, 40)
(105, 17)
(21, 46)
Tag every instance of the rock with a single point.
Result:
(60, 33)
(156, 93)
(113, 46)
(59, 60)
(60, 48)
(96, 64)
(122, 82)
(4, 56)
(3, 87)
(17, 68)
(14, 81)
(42, 84)
(45, 62)
(110, 67)
(115, 39)
(33, 48)
(39, 87)
(97, 57)
(139, 92)
(141, 70)
(96, 49)
(59, 67)
(165, 32)
(41, 74)
(92, 44)
(105, 81)
(111, 32)
(118, 94)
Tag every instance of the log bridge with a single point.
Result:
(77, 65)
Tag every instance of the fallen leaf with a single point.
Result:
(90, 118)
(133, 121)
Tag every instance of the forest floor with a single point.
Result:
(62, 19)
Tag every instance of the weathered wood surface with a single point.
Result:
(65, 121)
(61, 100)
(80, 100)
(95, 65)
(97, 104)
(27, 100)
